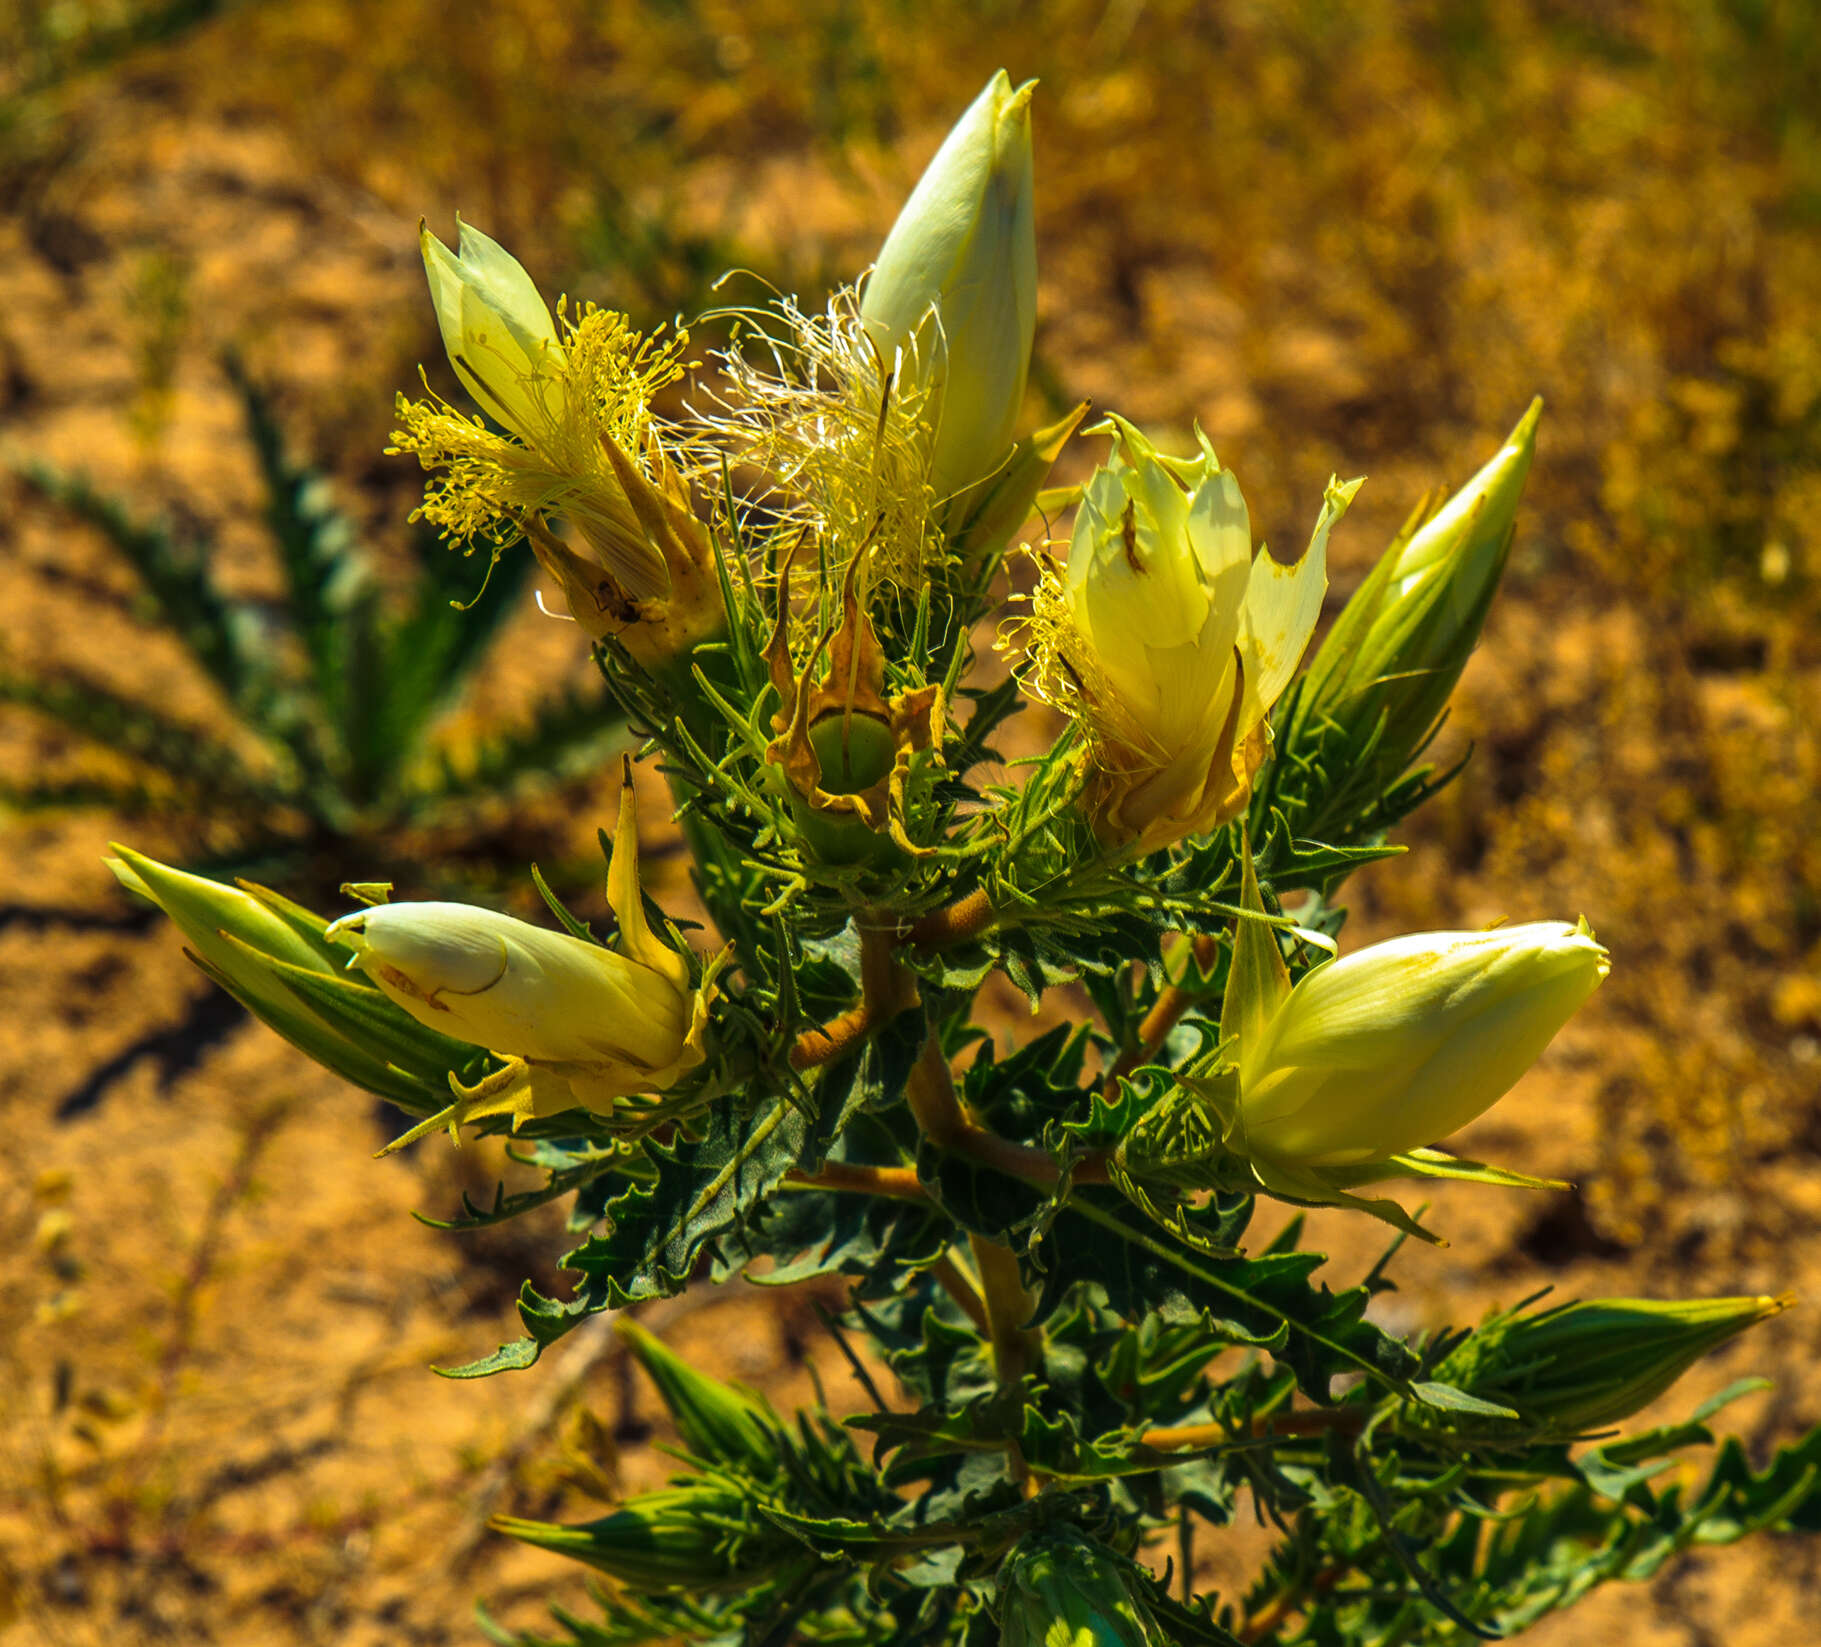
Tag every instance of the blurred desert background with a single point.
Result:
(1345, 239)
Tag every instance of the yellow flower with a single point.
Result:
(1169, 639)
(955, 287)
(578, 1022)
(574, 395)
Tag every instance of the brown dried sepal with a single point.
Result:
(650, 627)
(851, 691)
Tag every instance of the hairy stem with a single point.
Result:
(886, 989)
(943, 1120)
(895, 1183)
(827, 1042)
(1348, 1419)
(955, 923)
(1008, 1307)
(930, 1092)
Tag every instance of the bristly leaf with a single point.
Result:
(1266, 1302)
(705, 1189)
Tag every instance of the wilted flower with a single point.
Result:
(1061, 1589)
(1587, 1365)
(954, 292)
(575, 399)
(1405, 1042)
(1169, 639)
(579, 1023)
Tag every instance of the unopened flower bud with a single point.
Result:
(702, 1536)
(1382, 677)
(1400, 1044)
(223, 923)
(271, 956)
(1061, 1589)
(954, 292)
(716, 1421)
(1587, 1365)
(512, 987)
(498, 331)
(1170, 639)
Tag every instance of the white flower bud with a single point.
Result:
(955, 287)
(579, 1023)
(1394, 1047)
(516, 988)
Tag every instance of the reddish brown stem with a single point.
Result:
(955, 923)
(826, 1042)
(948, 1276)
(1266, 1620)
(1317, 1422)
(933, 1101)
(885, 990)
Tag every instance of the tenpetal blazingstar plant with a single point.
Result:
(1047, 1238)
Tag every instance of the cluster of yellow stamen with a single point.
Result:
(592, 392)
(1060, 668)
(840, 443)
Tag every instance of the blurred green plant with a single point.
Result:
(334, 695)
(158, 303)
(45, 42)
